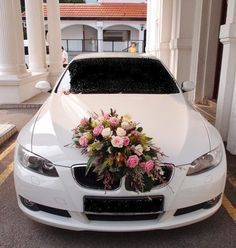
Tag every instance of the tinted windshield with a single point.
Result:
(117, 75)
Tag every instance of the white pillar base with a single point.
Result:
(18, 90)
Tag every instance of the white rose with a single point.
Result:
(125, 125)
(120, 132)
(138, 150)
(147, 149)
(106, 132)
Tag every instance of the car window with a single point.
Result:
(117, 75)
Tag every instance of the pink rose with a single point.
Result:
(97, 130)
(83, 141)
(106, 116)
(126, 141)
(83, 122)
(142, 165)
(148, 166)
(114, 121)
(117, 141)
(132, 161)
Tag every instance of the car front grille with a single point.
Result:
(131, 217)
(90, 180)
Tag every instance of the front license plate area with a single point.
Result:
(123, 205)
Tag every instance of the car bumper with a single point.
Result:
(64, 193)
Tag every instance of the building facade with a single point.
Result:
(106, 26)
(197, 41)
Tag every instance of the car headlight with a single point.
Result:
(206, 162)
(36, 163)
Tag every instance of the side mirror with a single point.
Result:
(187, 86)
(44, 86)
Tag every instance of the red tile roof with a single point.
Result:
(103, 10)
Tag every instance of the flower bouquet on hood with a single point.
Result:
(117, 148)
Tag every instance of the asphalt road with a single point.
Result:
(16, 230)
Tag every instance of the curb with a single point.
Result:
(21, 106)
(6, 131)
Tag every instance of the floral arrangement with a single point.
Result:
(118, 148)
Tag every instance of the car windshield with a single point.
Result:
(117, 75)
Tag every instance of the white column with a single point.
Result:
(225, 114)
(141, 39)
(181, 38)
(205, 46)
(197, 51)
(8, 49)
(100, 36)
(152, 27)
(148, 25)
(174, 31)
(16, 84)
(54, 39)
(20, 39)
(165, 30)
(35, 35)
(100, 39)
(231, 141)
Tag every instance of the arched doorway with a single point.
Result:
(118, 38)
(79, 38)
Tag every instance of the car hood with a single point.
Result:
(172, 123)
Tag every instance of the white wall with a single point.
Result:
(122, 1)
(73, 32)
(119, 46)
(134, 33)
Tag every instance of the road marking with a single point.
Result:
(7, 151)
(6, 173)
(229, 208)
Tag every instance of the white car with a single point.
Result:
(50, 182)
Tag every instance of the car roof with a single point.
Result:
(113, 55)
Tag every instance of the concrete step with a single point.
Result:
(32, 103)
(6, 131)
(208, 111)
(211, 103)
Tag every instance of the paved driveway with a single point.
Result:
(16, 230)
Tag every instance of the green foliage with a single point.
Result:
(132, 155)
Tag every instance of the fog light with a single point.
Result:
(29, 204)
(211, 203)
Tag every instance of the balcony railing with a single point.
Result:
(76, 46)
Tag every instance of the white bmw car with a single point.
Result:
(50, 180)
